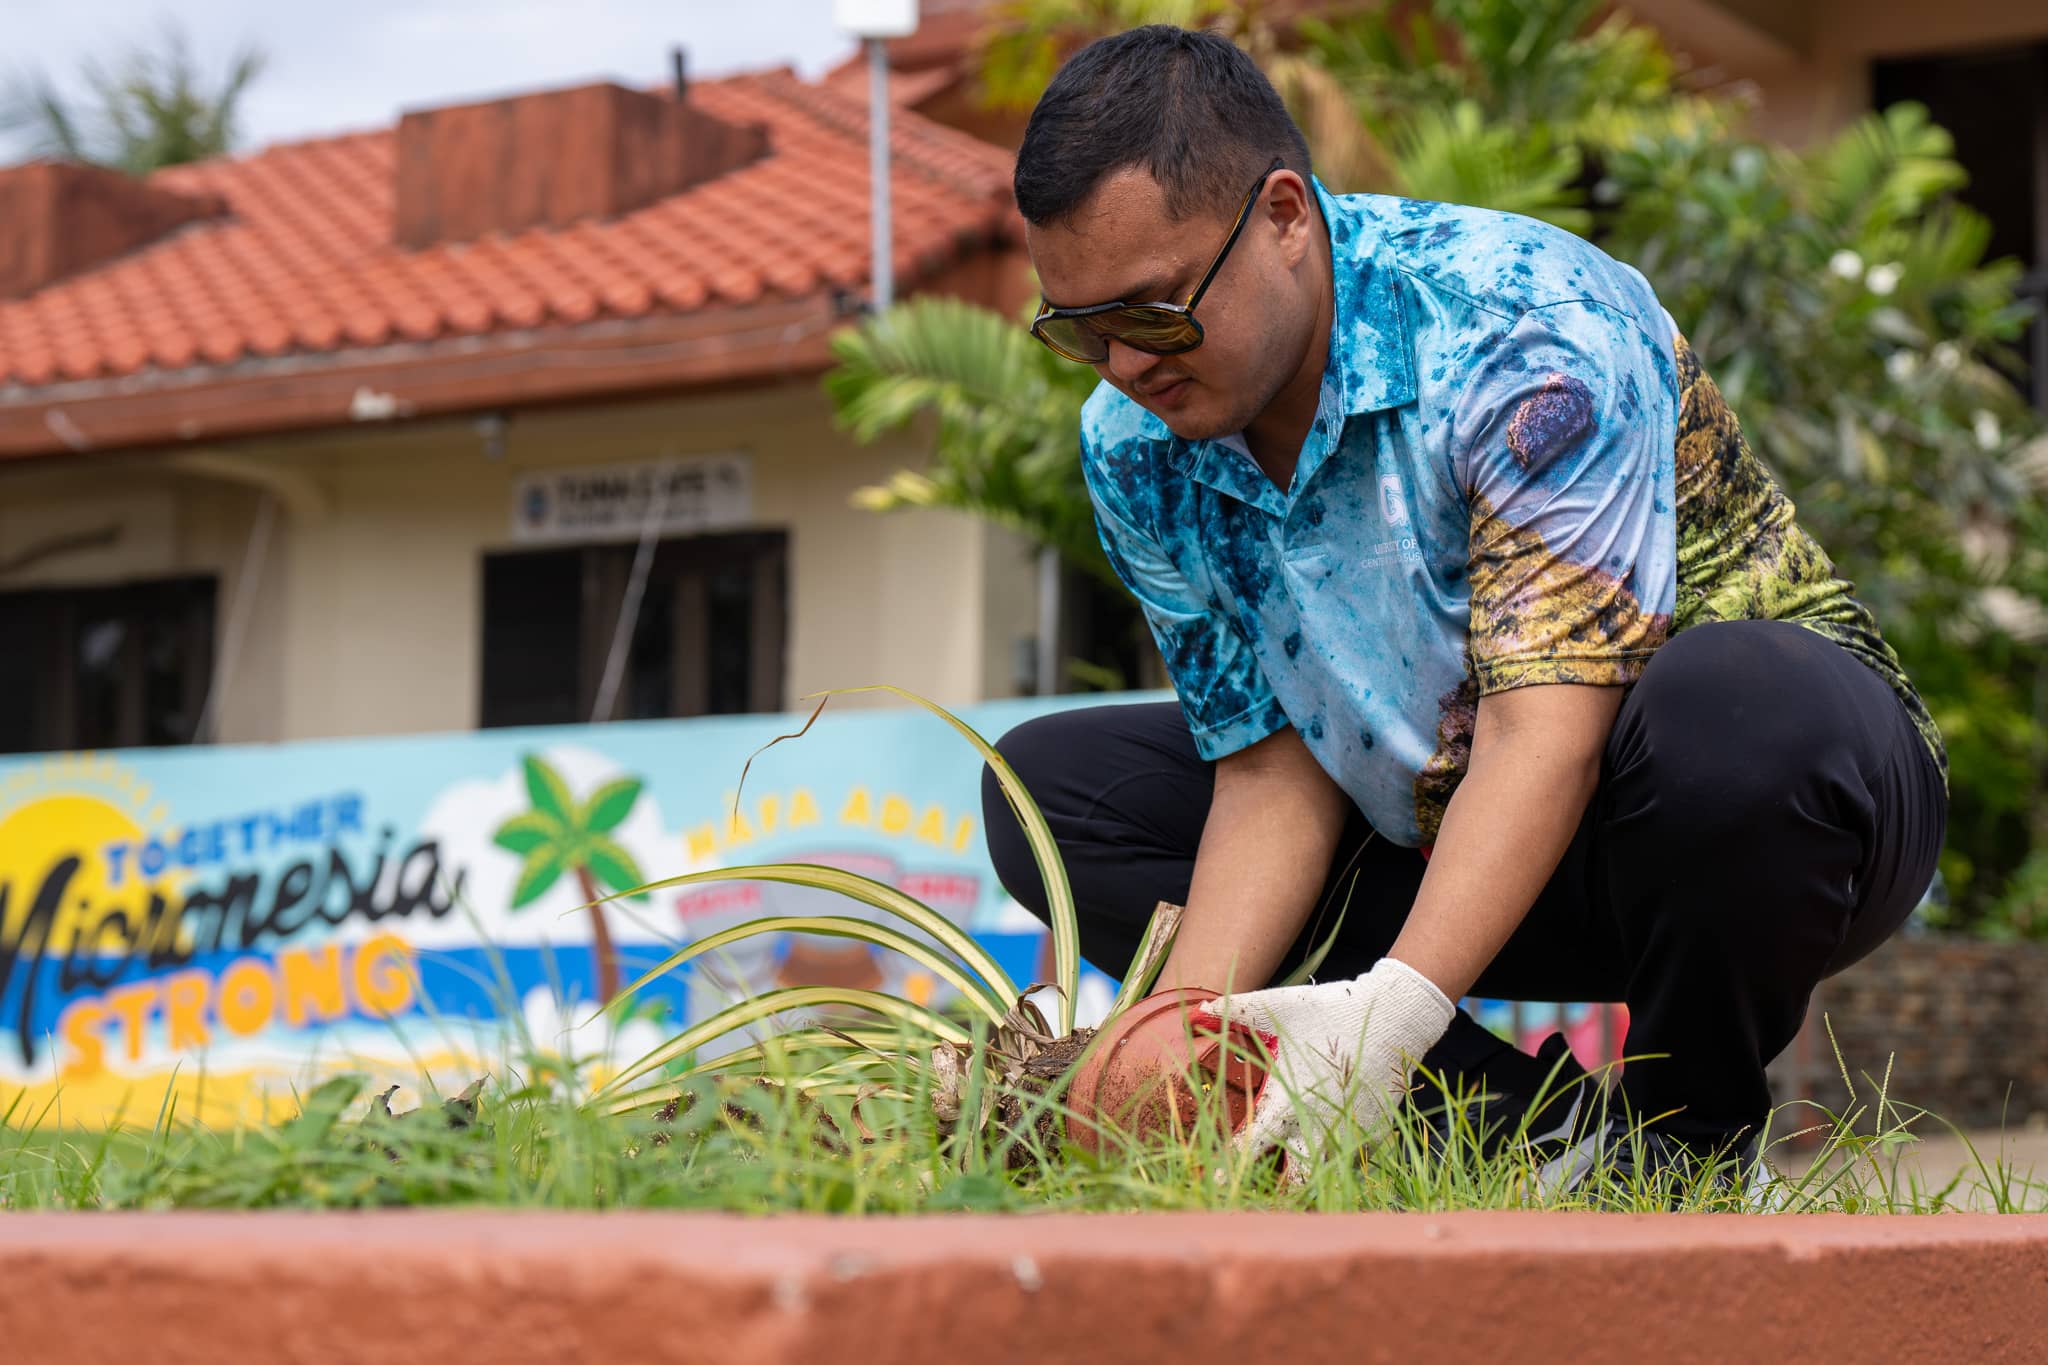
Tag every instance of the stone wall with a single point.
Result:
(1964, 1023)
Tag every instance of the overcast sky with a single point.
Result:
(341, 64)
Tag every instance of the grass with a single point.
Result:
(858, 1119)
(744, 1146)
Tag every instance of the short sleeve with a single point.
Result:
(1224, 692)
(1566, 431)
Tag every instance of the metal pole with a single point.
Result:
(1048, 660)
(878, 174)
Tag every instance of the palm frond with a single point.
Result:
(868, 891)
(1005, 413)
(1454, 156)
(938, 964)
(1045, 850)
(769, 1003)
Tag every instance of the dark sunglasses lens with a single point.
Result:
(1157, 331)
(1073, 338)
(1160, 331)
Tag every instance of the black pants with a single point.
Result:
(1766, 816)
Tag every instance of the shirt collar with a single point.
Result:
(1371, 366)
(1370, 354)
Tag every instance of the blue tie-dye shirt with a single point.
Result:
(1485, 501)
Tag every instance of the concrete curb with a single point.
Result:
(510, 1288)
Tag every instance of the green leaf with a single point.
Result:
(1150, 957)
(543, 866)
(1314, 961)
(614, 867)
(1066, 930)
(869, 892)
(837, 926)
(610, 804)
(758, 1007)
(524, 833)
(763, 1057)
(550, 794)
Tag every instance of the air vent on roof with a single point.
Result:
(552, 158)
(58, 218)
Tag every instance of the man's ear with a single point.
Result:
(1290, 207)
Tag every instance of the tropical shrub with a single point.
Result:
(1840, 297)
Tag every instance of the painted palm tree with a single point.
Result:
(560, 834)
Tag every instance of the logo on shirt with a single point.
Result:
(1392, 505)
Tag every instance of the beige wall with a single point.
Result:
(1810, 59)
(365, 614)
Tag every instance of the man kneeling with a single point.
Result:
(1482, 616)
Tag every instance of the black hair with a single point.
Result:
(1190, 107)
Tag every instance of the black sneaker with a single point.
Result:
(1514, 1099)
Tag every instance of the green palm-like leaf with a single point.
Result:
(970, 987)
(548, 792)
(771, 1056)
(880, 895)
(614, 867)
(1007, 416)
(1455, 157)
(525, 832)
(759, 1007)
(1313, 963)
(148, 107)
(544, 865)
(609, 806)
(1045, 850)
(1153, 948)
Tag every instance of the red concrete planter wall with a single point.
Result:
(511, 1288)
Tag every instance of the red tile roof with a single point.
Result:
(304, 265)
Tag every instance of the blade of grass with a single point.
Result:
(1314, 961)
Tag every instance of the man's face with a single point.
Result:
(1256, 318)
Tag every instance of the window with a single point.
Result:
(105, 668)
(707, 639)
(1105, 644)
(1995, 104)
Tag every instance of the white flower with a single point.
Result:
(1882, 279)
(1901, 365)
(1846, 263)
(1985, 425)
(1947, 355)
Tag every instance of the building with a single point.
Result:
(362, 435)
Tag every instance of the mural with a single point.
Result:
(227, 923)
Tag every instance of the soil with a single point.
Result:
(1041, 1073)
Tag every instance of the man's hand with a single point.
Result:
(1344, 1053)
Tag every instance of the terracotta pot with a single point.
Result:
(1135, 1081)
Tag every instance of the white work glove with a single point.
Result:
(1342, 1059)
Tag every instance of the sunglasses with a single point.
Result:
(1084, 334)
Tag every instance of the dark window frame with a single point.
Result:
(687, 578)
(45, 629)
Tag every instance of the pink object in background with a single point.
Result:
(1581, 1025)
